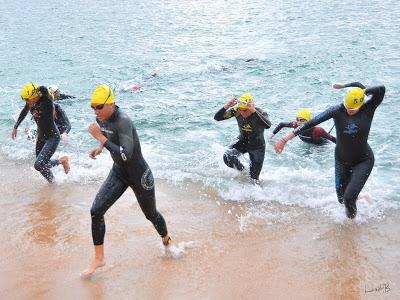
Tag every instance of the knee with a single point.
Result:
(96, 213)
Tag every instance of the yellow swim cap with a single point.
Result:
(30, 91)
(354, 98)
(102, 94)
(304, 113)
(244, 100)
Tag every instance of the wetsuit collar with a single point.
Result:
(114, 114)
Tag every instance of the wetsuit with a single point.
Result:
(48, 136)
(315, 135)
(129, 170)
(64, 96)
(61, 119)
(250, 140)
(354, 158)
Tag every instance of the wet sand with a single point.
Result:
(230, 253)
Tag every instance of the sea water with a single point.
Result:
(189, 58)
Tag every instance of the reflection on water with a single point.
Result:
(41, 226)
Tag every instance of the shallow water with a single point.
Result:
(199, 52)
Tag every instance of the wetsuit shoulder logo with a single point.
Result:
(147, 180)
(351, 128)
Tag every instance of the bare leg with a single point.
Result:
(64, 161)
(99, 261)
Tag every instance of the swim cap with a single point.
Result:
(354, 98)
(244, 100)
(102, 94)
(304, 113)
(30, 91)
(53, 88)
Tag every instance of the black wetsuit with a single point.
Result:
(354, 158)
(251, 139)
(64, 96)
(315, 135)
(48, 136)
(61, 119)
(129, 170)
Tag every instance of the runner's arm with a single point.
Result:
(64, 96)
(224, 114)
(22, 115)
(127, 142)
(355, 84)
(263, 118)
(377, 92)
(322, 117)
(284, 124)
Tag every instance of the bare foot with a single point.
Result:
(96, 263)
(65, 163)
(364, 197)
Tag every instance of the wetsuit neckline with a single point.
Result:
(114, 114)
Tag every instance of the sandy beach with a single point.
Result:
(45, 243)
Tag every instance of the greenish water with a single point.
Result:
(200, 52)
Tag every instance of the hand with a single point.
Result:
(279, 146)
(230, 103)
(338, 86)
(250, 106)
(14, 133)
(271, 135)
(95, 131)
(64, 136)
(94, 152)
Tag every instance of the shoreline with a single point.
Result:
(230, 251)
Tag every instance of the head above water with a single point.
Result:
(30, 92)
(244, 101)
(53, 88)
(103, 102)
(303, 115)
(354, 99)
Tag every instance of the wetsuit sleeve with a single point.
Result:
(126, 140)
(224, 114)
(283, 124)
(322, 117)
(46, 101)
(64, 96)
(377, 92)
(22, 115)
(63, 123)
(263, 118)
(355, 84)
(319, 132)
